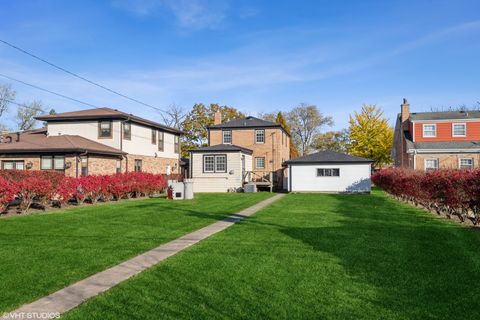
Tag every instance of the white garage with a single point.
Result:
(328, 171)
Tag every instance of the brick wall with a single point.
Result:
(100, 165)
(446, 161)
(34, 160)
(274, 151)
(152, 164)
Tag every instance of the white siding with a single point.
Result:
(353, 178)
(86, 129)
(140, 143)
(218, 182)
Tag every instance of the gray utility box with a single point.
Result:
(188, 193)
(178, 190)
(250, 188)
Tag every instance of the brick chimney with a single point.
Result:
(405, 111)
(217, 118)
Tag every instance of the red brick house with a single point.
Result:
(244, 150)
(433, 140)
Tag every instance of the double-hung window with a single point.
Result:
(137, 165)
(328, 172)
(260, 136)
(127, 131)
(118, 166)
(221, 163)
(105, 129)
(260, 162)
(429, 130)
(459, 129)
(154, 136)
(160, 141)
(466, 163)
(215, 163)
(84, 166)
(176, 146)
(227, 136)
(431, 164)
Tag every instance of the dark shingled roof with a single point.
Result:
(104, 113)
(223, 148)
(328, 157)
(248, 122)
(36, 141)
(447, 115)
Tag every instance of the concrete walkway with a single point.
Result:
(59, 302)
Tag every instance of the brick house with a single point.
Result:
(94, 141)
(264, 143)
(433, 140)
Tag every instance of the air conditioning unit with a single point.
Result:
(178, 190)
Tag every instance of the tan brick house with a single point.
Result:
(266, 144)
(433, 140)
(94, 141)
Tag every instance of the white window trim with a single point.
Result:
(425, 164)
(223, 136)
(264, 164)
(423, 130)
(459, 135)
(204, 163)
(215, 157)
(332, 176)
(460, 162)
(264, 134)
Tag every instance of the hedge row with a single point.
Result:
(45, 188)
(449, 192)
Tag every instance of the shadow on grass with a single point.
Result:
(423, 266)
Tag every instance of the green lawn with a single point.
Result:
(46, 252)
(312, 256)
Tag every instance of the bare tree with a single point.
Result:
(7, 94)
(26, 114)
(461, 107)
(269, 116)
(174, 116)
(305, 121)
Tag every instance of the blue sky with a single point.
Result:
(258, 56)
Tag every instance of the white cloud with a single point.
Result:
(194, 14)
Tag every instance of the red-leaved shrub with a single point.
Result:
(44, 187)
(452, 192)
(8, 191)
(32, 189)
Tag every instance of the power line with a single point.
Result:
(49, 91)
(79, 76)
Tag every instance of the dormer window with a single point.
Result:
(227, 137)
(429, 130)
(260, 136)
(459, 130)
(105, 129)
